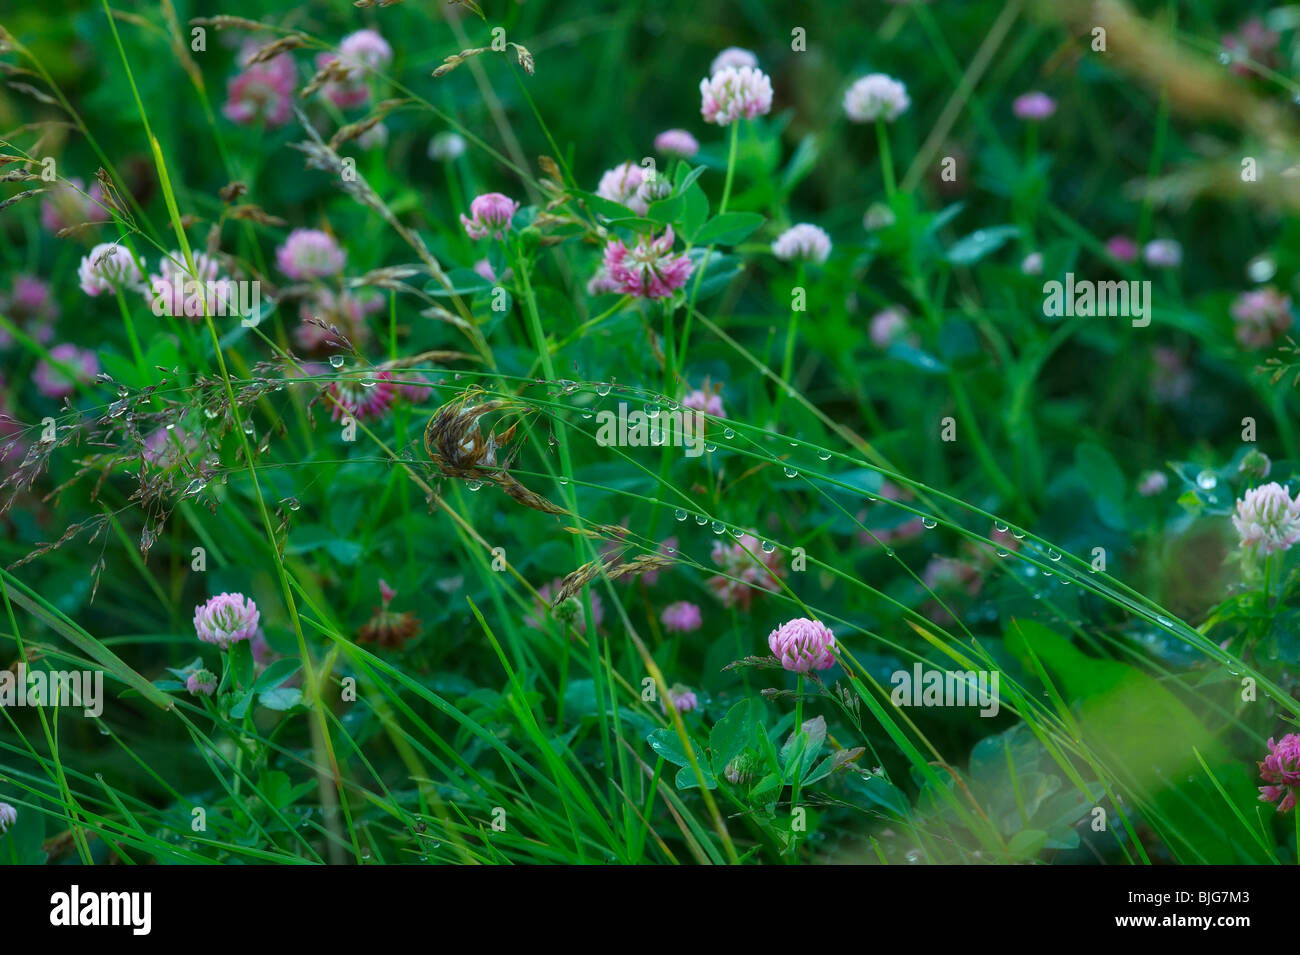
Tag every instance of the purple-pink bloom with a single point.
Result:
(888, 326)
(709, 402)
(1122, 248)
(8, 816)
(677, 142)
(310, 254)
(1252, 41)
(345, 311)
(1261, 317)
(1267, 518)
(262, 92)
(350, 90)
(105, 267)
(733, 56)
(30, 305)
(1033, 106)
(53, 381)
(173, 291)
(68, 203)
(201, 683)
(649, 269)
(365, 398)
(226, 619)
(365, 48)
(489, 213)
(622, 184)
(1281, 770)
(684, 700)
(681, 617)
(1152, 483)
(803, 645)
(735, 93)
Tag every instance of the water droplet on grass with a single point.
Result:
(679, 514)
(929, 522)
(336, 361)
(1207, 480)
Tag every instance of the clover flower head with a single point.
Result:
(677, 142)
(621, 184)
(1281, 770)
(876, 96)
(681, 617)
(1260, 317)
(363, 397)
(201, 683)
(446, 146)
(1122, 248)
(1163, 254)
(803, 645)
(106, 267)
(733, 56)
(649, 269)
(261, 92)
(490, 213)
(310, 254)
(1267, 518)
(1033, 106)
(51, 378)
(226, 619)
(735, 93)
(805, 242)
(8, 816)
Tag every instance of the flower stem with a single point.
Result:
(787, 363)
(731, 167)
(886, 158)
(798, 731)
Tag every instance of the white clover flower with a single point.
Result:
(876, 96)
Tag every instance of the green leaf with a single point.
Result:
(1026, 844)
(729, 228)
(731, 734)
(667, 210)
(277, 673)
(240, 706)
(1105, 482)
(970, 249)
(697, 210)
(281, 698)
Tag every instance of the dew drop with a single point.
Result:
(768, 547)
(929, 522)
(1164, 621)
(652, 411)
(1053, 554)
(710, 448)
(999, 527)
(728, 433)
(701, 519)
(367, 383)
(1207, 480)
(1224, 57)
(336, 361)
(473, 485)
(791, 473)
(602, 389)
(823, 455)
(719, 527)
(679, 514)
